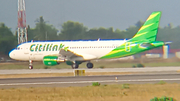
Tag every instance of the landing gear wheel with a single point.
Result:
(89, 65)
(30, 64)
(74, 66)
(30, 67)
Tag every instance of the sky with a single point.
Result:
(92, 13)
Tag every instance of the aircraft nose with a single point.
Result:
(11, 54)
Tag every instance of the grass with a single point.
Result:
(135, 92)
(125, 86)
(161, 82)
(96, 84)
(164, 98)
(97, 64)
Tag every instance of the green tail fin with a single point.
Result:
(150, 28)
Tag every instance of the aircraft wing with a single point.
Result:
(74, 56)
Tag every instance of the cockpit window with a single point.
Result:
(18, 48)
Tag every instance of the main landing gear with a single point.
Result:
(76, 65)
(89, 65)
(30, 64)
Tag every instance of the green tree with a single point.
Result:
(72, 31)
(30, 33)
(96, 33)
(139, 23)
(104, 33)
(44, 31)
(7, 40)
(170, 33)
(119, 34)
(131, 31)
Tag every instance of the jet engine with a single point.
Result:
(51, 60)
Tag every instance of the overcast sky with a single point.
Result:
(92, 13)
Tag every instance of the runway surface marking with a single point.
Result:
(47, 83)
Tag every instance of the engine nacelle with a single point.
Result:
(50, 60)
(71, 63)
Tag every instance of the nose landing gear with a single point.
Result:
(30, 64)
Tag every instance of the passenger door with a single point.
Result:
(128, 46)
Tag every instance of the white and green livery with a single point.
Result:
(76, 52)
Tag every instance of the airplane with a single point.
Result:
(75, 52)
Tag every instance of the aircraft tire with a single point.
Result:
(89, 65)
(30, 67)
(74, 66)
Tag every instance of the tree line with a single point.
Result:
(71, 30)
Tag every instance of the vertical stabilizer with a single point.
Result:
(150, 28)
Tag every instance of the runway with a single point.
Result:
(146, 69)
(170, 77)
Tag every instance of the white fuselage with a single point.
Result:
(35, 51)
